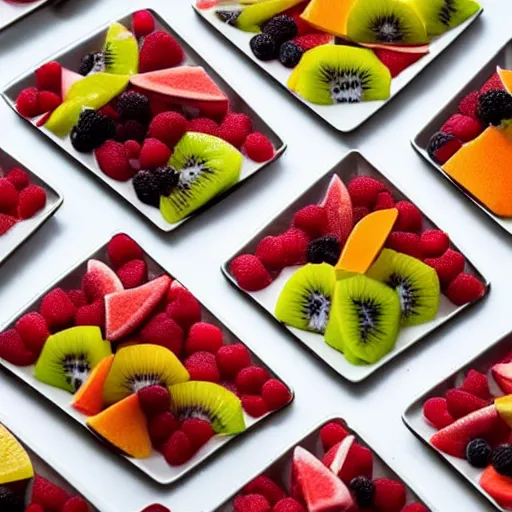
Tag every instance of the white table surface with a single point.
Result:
(195, 252)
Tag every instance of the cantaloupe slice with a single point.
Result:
(328, 15)
(89, 398)
(124, 425)
(506, 77)
(484, 168)
(365, 242)
(15, 463)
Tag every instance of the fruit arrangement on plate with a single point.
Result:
(24, 490)
(341, 51)
(481, 127)
(146, 369)
(143, 113)
(328, 470)
(359, 268)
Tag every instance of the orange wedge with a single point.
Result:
(328, 15)
(506, 77)
(15, 463)
(484, 168)
(89, 398)
(365, 242)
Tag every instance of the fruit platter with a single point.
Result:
(28, 483)
(129, 353)
(26, 203)
(473, 124)
(467, 420)
(331, 468)
(355, 271)
(11, 10)
(343, 59)
(140, 109)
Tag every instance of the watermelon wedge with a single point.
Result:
(418, 48)
(100, 280)
(341, 454)
(338, 205)
(68, 79)
(127, 309)
(190, 82)
(498, 486)
(502, 374)
(321, 488)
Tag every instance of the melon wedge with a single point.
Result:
(365, 242)
(506, 77)
(338, 206)
(68, 79)
(504, 407)
(89, 398)
(190, 82)
(102, 278)
(127, 309)
(124, 425)
(328, 15)
(15, 463)
(502, 373)
(341, 454)
(497, 486)
(418, 48)
(321, 488)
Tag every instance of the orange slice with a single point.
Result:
(365, 242)
(124, 425)
(484, 168)
(506, 77)
(89, 398)
(15, 463)
(328, 15)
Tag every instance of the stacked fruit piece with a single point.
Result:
(17, 474)
(19, 200)
(143, 367)
(148, 117)
(345, 271)
(343, 51)
(342, 480)
(475, 424)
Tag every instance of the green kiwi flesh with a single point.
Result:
(364, 321)
(207, 165)
(305, 300)
(416, 284)
(206, 400)
(386, 21)
(121, 51)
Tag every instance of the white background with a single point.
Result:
(194, 253)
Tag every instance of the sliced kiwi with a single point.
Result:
(69, 356)
(139, 366)
(440, 16)
(208, 401)
(121, 51)
(305, 300)
(207, 166)
(416, 284)
(365, 319)
(330, 74)
(386, 21)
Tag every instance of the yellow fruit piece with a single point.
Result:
(504, 407)
(15, 463)
(328, 15)
(365, 242)
(506, 78)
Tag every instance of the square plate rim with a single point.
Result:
(30, 10)
(162, 481)
(376, 367)
(168, 228)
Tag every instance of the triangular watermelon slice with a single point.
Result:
(126, 310)
(68, 79)
(321, 488)
(191, 82)
(338, 206)
(498, 486)
(340, 455)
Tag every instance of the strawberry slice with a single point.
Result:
(498, 486)
(461, 403)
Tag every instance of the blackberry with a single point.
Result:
(281, 28)
(478, 453)
(10, 502)
(501, 459)
(134, 106)
(130, 130)
(442, 146)
(228, 17)
(150, 185)
(290, 54)
(92, 62)
(326, 249)
(91, 131)
(264, 47)
(494, 107)
(363, 490)
(169, 178)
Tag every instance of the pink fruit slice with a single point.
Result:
(321, 488)
(454, 438)
(502, 374)
(126, 310)
(102, 278)
(341, 454)
(338, 205)
(424, 48)
(68, 79)
(190, 82)
(498, 486)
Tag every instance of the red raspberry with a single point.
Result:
(406, 243)
(465, 288)
(202, 366)
(27, 102)
(465, 128)
(442, 146)
(155, 507)
(270, 252)
(254, 405)
(154, 400)
(235, 128)
(275, 394)
(168, 127)
(159, 51)
(311, 219)
(77, 297)
(18, 177)
(436, 412)
(198, 431)
(6, 223)
(390, 495)
(258, 148)
(434, 243)
(32, 199)
(250, 273)
(143, 23)
(364, 190)
(476, 384)
(122, 249)
(232, 358)
(266, 487)
(113, 160)
(384, 201)
(295, 244)
(91, 314)
(33, 331)
(48, 101)
(288, 505)
(332, 433)
(76, 504)
(130, 130)
(13, 350)
(251, 503)
(251, 379)
(164, 331)
(203, 125)
(8, 196)
(205, 337)
(493, 84)
(153, 154)
(469, 104)
(161, 426)
(34, 507)
(57, 309)
(50, 496)
(409, 217)
(177, 449)
(132, 150)
(133, 274)
(415, 507)
(184, 309)
(448, 266)
(48, 77)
